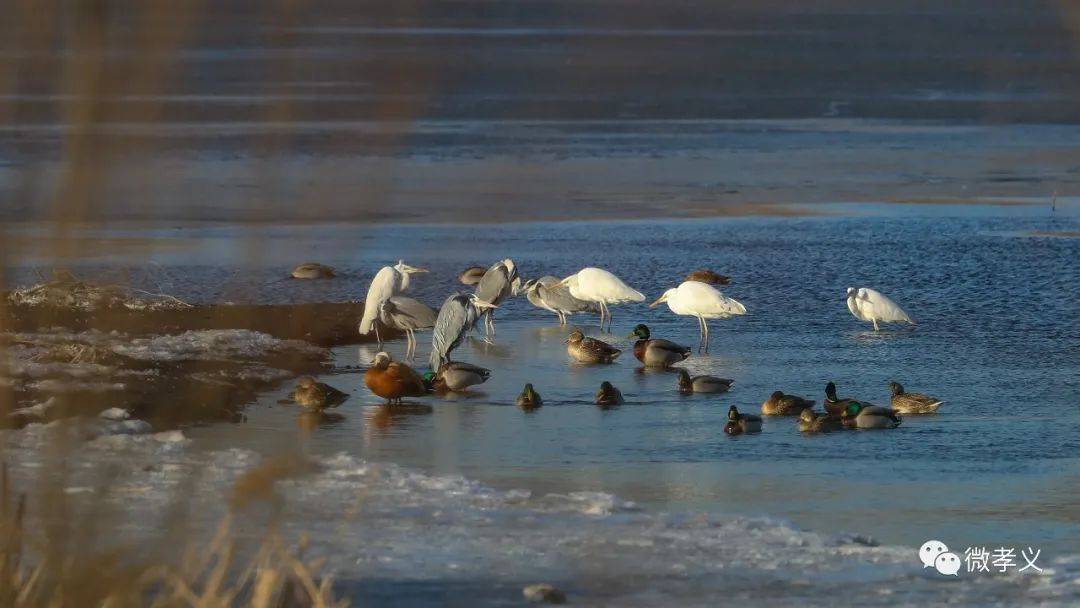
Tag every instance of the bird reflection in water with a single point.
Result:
(308, 422)
(385, 417)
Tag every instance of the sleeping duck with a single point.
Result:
(738, 424)
(458, 376)
(656, 352)
(702, 384)
(316, 395)
(865, 416)
(817, 422)
(590, 350)
(779, 404)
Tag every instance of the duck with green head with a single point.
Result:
(817, 422)
(608, 395)
(779, 404)
(529, 398)
(590, 350)
(912, 403)
(835, 406)
(656, 352)
(702, 384)
(865, 416)
(739, 423)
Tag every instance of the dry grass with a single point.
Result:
(40, 569)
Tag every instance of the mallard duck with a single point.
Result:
(816, 422)
(608, 395)
(912, 403)
(312, 270)
(316, 395)
(866, 416)
(738, 424)
(393, 381)
(529, 398)
(835, 406)
(702, 384)
(457, 376)
(590, 350)
(656, 352)
(779, 404)
(472, 275)
(707, 276)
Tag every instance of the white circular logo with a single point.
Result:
(929, 551)
(947, 563)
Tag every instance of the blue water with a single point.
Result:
(998, 338)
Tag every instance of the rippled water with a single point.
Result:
(998, 338)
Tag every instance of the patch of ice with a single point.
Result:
(38, 410)
(115, 413)
(219, 344)
(55, 385)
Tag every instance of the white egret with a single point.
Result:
(697, 299)
(870, 305)
(389, 281)
(600, 286)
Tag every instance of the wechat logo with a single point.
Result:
(935, 554)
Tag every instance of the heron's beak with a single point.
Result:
(658, 301)
(414, 269)
(483, 304)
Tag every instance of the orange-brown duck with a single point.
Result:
(393, 381)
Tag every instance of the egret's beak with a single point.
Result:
(658, 301)
(484, 304)
(414, 269)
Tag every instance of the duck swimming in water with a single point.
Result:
(912, 403)
(590, 350)
(393, 381)
(779, 404)
(316, 395)
(529, 398)
(738, 424)
(702, 384)
(608, 395)
(865, 416)
(835, 406)
(816, 422)
(312, 270)
(656, 352)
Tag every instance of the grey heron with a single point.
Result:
(547, 293)
(471, 275)
(389, 281)
(498, 283)
(456, 317)
(408, 315)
